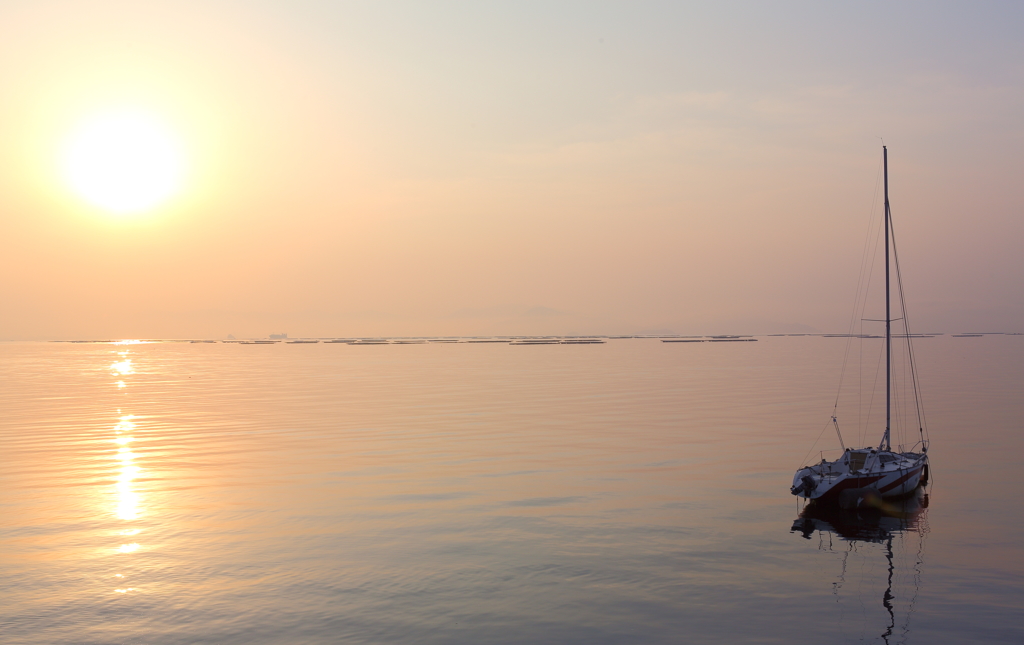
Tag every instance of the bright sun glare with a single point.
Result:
(124, 162)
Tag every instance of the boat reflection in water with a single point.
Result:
(898, 526)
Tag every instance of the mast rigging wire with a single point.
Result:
(860, 301)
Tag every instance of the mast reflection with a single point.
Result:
(886, 523)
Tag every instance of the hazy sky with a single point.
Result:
(415, 168)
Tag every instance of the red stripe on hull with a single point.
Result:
(901, 480)
(855, 482)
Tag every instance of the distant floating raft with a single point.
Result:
(857, 336)
(713, 339)
(552, 341)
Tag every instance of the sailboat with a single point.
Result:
(863, 477)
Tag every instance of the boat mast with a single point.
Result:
(888, 317)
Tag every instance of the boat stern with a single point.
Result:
(805, 481)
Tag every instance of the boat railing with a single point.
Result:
(828, 456)
(922, 444)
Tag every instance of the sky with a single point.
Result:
(467, 168)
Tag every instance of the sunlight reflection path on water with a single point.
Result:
(128, 501)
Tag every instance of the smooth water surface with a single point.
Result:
(631, 492)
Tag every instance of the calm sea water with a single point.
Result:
(631, 492)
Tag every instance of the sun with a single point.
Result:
(124, 162)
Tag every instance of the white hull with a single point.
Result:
(881, 472)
